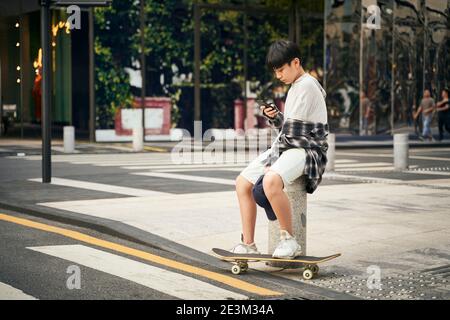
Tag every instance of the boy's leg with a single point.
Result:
(289, 166)
(247, 206)
(273, 188)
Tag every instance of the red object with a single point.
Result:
(37, 97)
(242, 121)
(239, 114)
(149, 103)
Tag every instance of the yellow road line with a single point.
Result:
(154, 149)
(239, 284)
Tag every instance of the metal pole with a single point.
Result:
(197, 106)
(1, 100)
(297, 22)
(46, 92)
(21, 92)
(91, 77)
(393, 71)
(425, 26)
(143, 66)
(291, 30)
(246, 118)
(361, 75)
(324, 45)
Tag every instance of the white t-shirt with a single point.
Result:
(306, 101)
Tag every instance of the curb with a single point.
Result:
(125, 232)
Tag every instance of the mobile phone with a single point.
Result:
(267, 105)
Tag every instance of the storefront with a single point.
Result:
(21, 68)
(391, 62)
(374, 73)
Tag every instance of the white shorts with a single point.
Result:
(289, 166)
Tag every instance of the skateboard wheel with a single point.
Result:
(244, 267)
(315, 269)
(236, 269)
(308, 274)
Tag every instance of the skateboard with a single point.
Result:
(240, 261)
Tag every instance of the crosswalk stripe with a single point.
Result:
(386, 168)
(8, 292)
(168, 282)
(356, 165)
(102, 187)
(190, 166)
(365, 169)
(230, 182)
(200, 169)
(388, 155)
(230, 281)
(429, 172)
(344, 161)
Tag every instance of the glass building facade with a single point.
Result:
(389, 50)
(375, 58)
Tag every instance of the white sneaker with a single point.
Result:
(288, 248)
(245, 248)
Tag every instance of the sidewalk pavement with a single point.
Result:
(397, 227)
(14, 146)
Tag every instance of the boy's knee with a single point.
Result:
(272, 183)
(243, 185)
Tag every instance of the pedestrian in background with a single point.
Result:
(426, 108)
(367, 112)
(443, 109)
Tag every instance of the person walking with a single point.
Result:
(443, 109)
(426, 108)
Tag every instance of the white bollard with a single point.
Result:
(331, 152)
(69, 139)
(296, 193)
(401, 151)
(138, 139)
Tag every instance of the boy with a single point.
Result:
(299, 149)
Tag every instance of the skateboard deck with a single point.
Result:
(241, 261)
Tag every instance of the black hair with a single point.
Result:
(281, 52)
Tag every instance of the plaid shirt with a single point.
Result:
(307, 135)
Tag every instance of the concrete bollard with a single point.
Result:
(138, 139)
(331, 152)
(401, 151)
(69, 139)
(296, 193)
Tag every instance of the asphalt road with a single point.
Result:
(72, 263)
(39, 264)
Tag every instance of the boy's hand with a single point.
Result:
(269, 111)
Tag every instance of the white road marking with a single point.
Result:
(390, 168)
(168, 282)
(190, 166)
(101, 187)
(428, 172)
(230, 182)
(365, 164)
(387, 155)
(8, 292)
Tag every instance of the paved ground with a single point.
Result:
(394, 224)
